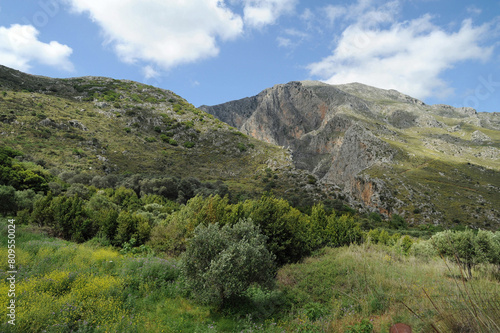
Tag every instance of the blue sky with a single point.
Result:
(213, 51)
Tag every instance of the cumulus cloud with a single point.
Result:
(20, 47)
(149, 72)
(408, 56)
(258, 13)
(170, 33)
(166, 33)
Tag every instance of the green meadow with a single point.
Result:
(62, 287)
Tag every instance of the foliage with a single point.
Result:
(365, 326)
(285, 227)
(222, 262)
(7, 200)
(241, 146)
(468, 248)
(69, 219)
(318, 225)
(25, 199)
(343, 231)
(397, 222)
(21, 175)
(189, 144)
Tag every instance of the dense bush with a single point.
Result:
(469, 248)
(7, 199)
(172, 234)
(222, 262)
(22, 175)
(287, 228)
(343, 231)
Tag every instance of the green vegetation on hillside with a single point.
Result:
(62, 286)
(136, 212)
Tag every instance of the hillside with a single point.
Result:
(381, 150)
(96, 126)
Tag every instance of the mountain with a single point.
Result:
(96, 126)
(381, 150)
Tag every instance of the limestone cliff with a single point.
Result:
(380, 149)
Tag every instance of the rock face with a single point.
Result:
(369, 142)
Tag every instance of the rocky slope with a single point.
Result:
(382, 150)
(96, 126)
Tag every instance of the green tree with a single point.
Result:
(286, 227)
(43, 213)
(70, 221)
(222, 262)
(467, 247)
(343, 231)
(25, 199)
(397, 222)
(132, 225)
(7, 199)
(105, 213)
(126, 198)
(319, 222)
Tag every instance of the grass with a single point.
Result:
(377, 283)
(131, 143)
(437, 184)
(62, 286)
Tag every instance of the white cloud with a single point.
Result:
(298, 38)
(166, 33)
(408, 56)
(175, 32)
(334, 13)
(474, 10)
(259, 13)
(284, 42)
(19, 47)
(307, 15)
(149, 72)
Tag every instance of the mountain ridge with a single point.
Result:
(378, 150)
(365, 143)
(96, 126)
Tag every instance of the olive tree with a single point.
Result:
(469, 248)
(222, 262)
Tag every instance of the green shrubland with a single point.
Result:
(146, 254)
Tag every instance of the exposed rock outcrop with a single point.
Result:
(364, 140)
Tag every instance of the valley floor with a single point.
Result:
(62, 286)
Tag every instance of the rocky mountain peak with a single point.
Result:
(375, 145)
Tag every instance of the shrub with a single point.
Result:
(242, 147)
(467, 247)
(397, 222)
(423, 249)
(70, 221)
(220, 263)
(189, 144)
(286, 227)
(25, 199)
(7, 200)
(319, 221)
(343, 231)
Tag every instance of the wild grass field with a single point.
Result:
(62, 287)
